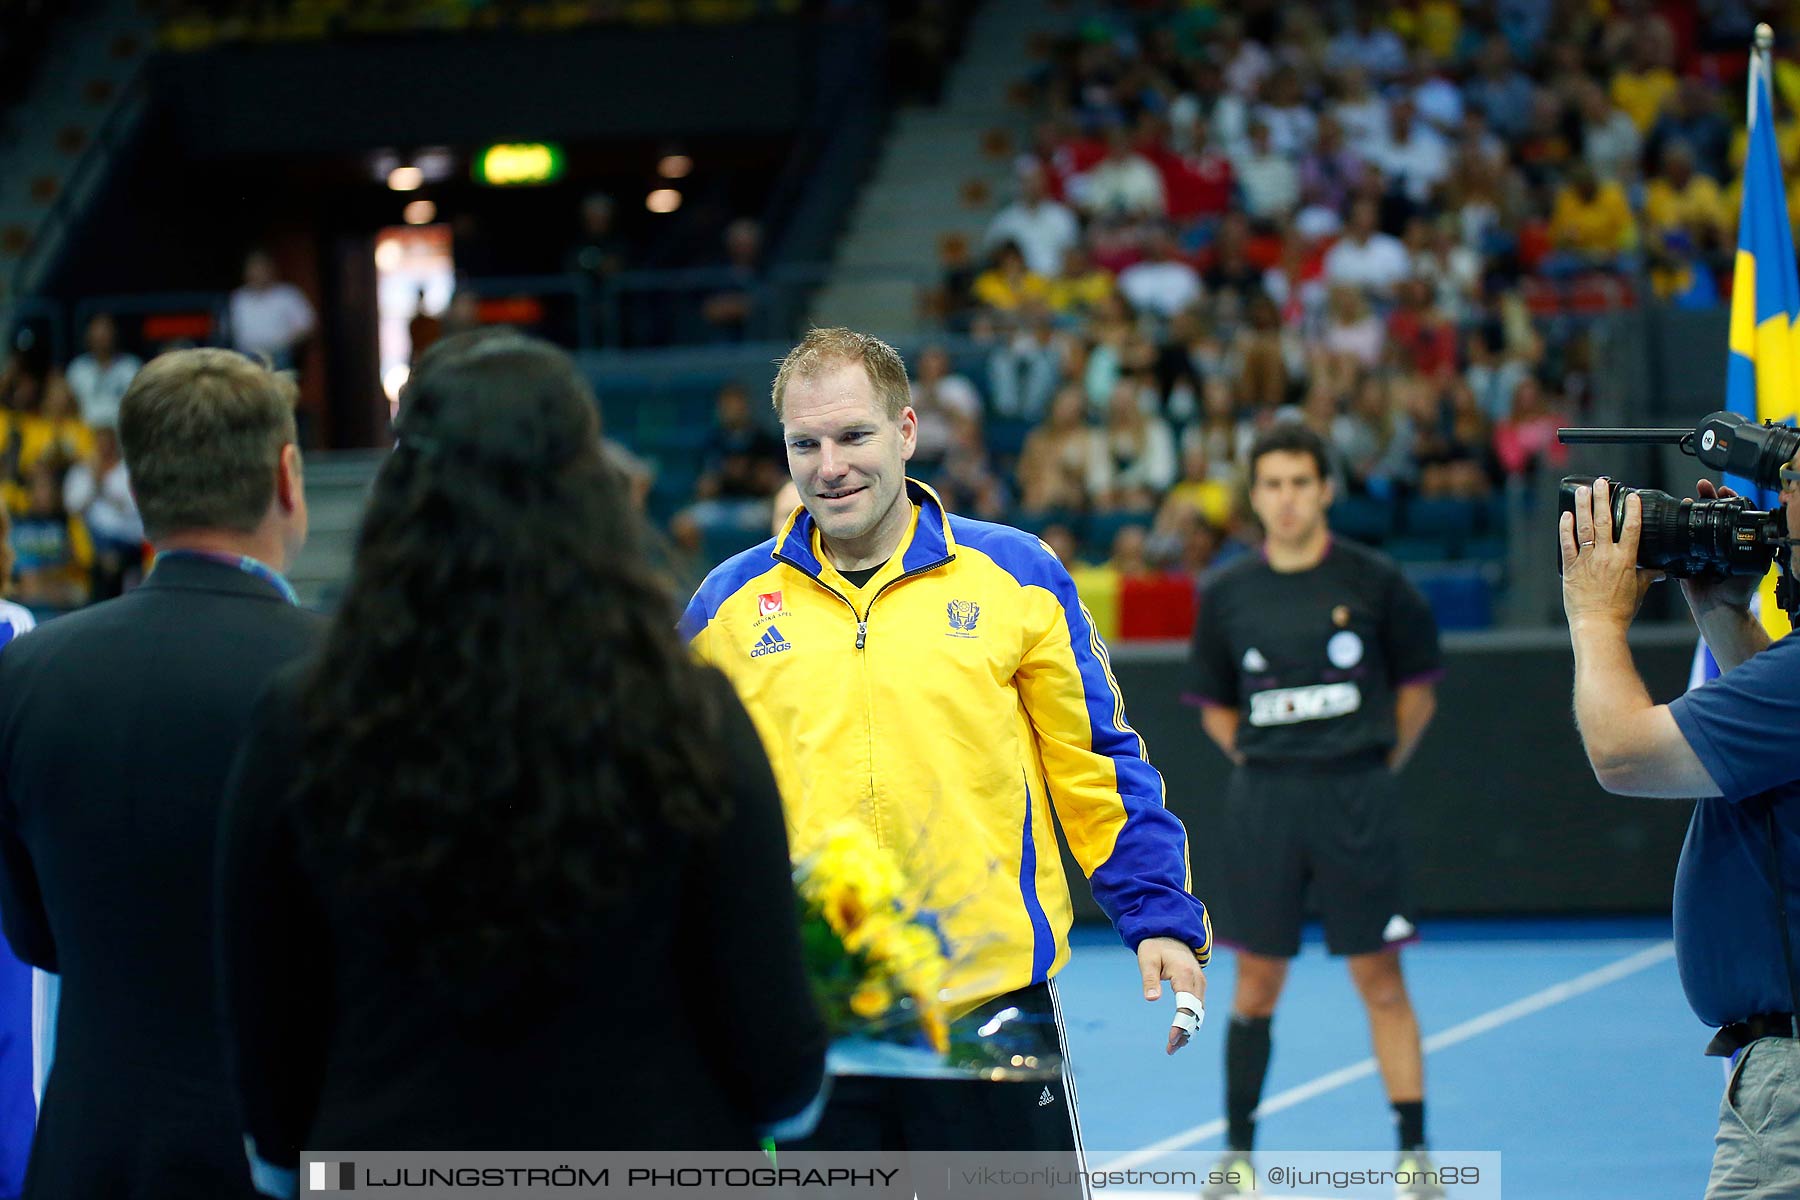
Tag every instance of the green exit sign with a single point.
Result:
(517, 164)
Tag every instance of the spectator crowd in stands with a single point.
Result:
(1387, 219)
(75, 532)
(1354, 216)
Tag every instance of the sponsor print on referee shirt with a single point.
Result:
(1290, 706)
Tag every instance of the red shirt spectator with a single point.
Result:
(1421, 333)
(1196, 184)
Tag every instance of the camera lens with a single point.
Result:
(1684, 538)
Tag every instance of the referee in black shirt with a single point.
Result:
(1314, 664)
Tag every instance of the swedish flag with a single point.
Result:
(1761, 378)
(1762, 372)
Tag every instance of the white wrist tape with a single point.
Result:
(1189, 1012)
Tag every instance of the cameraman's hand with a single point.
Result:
(1601, 579)
(1705, 594)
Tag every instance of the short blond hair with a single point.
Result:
(821, 349)
(202, 432)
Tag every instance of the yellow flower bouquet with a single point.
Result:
(881, 968)
(876, 959)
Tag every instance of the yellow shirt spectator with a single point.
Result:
(1434, 26)
(1007, 291)
(1079, 293)
(1642, 94)
(1599, 223)
(1698, 204)
(54, 431)
(1009, 284)
(1213, 499)
(12, 475)
(63, 440)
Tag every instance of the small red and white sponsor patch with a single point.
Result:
(768, 604)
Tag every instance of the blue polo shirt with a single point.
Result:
(1745, 728)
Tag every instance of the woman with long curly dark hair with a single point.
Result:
(500, 864)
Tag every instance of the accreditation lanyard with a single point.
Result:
(241, 562)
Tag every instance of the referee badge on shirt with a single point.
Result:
(1344, 649)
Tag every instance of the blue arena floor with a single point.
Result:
(1565, 1045)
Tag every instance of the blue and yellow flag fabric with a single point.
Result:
(1763, 369)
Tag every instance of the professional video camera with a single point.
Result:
(1705, 538)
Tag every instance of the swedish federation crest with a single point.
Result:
(963, 615)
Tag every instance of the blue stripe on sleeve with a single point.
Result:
(1142, 885)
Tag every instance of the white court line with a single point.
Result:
(1524, 1007)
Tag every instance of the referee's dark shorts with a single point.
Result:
(1032, 1117)
(1328, 831)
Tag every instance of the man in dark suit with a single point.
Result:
(117, 727)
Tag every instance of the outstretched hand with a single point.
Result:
(1161, 958)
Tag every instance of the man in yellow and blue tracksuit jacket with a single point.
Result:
(937, 680)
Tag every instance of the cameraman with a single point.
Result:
(1731, 743)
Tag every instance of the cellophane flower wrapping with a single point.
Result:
(879, 964)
